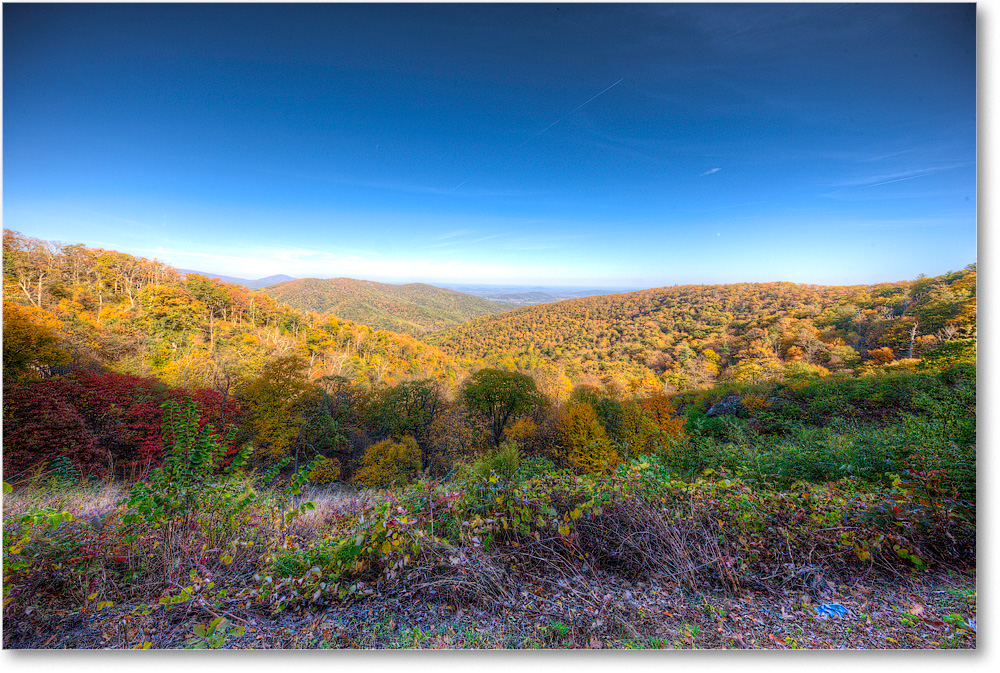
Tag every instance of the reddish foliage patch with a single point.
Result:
(105, 423)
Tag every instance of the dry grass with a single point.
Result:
(333, 504)
(628, 575)
(89, 499)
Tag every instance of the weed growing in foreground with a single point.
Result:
(192, 489)
(212, 636)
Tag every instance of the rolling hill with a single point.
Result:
(250, 284)
(690, 333)
(413, 309)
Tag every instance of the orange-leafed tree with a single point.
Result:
(660, 410)
(882, 356)
(30, 342)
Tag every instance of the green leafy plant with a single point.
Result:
(554, 633)
(190, 481)
(689, 634)
(213, 635)
(958, 621)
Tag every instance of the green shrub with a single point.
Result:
(491, 477)
(192, 491)
(190, 481)
(504, 462)
(295, 562)
(534, 466)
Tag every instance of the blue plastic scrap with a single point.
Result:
(827, 610)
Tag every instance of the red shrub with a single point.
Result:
(102, 422)
(40, 423)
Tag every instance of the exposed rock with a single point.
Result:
(727, 406)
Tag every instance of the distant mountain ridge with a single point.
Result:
(513, 295)
(530, 295)
(414, 308)
(250, 284)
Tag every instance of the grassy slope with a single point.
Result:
(414, 308)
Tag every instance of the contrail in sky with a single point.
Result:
(568, 114)
(457, 186)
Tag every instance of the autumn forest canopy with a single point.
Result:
(95, 340)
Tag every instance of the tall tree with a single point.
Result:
(587, 444)
(500, 396)
(270, 400)
(29, 341)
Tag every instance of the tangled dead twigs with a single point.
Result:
(461, 574)
(626, 538)
(640, 541)
(545, 578)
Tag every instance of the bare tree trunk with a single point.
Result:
(25, 286)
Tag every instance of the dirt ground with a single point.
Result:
(795, 609)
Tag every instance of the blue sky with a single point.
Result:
(614, 145)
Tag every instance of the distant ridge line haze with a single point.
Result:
(251, 284)
(520, 295)
(530, 295)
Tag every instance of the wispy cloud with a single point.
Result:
(399, 186)
(897, 176)
(457, 240)
(710, 171)
(903, 223)
(456, 233)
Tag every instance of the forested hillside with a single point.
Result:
(107, 309)
(694, 335)
(413, 308)
(88, 329)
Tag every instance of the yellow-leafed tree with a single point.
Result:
(29, 341)
(327, 470)
(270, 401)
(389, 463)
(587, 442)
(636, 429)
